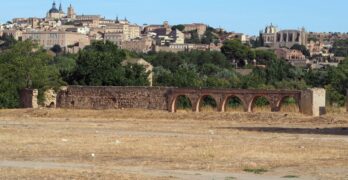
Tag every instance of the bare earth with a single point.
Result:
(140, 144)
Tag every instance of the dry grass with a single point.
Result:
(209, 141)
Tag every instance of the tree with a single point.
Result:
(6, 41)
(263, 57)
(194, 38)
(179, 27)
(301, 48)
(235, 50)
(56, 49)
(25, 65)
(99, 65)
(136, 75)
(187, 76)
(340, 48)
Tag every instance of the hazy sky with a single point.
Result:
(248, 16)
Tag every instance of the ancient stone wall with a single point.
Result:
(50, 98)
(82, 97)
(311, 102)
(29, 98)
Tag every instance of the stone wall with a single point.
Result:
(313, 102)
(50, 98)
(82, 97)
(29, 98)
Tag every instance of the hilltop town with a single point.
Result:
(87, 97)
(72, 31)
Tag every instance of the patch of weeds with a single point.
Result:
(230, 178)
(290, 176)
(255, 171)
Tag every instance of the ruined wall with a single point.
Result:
(82, 97)
(28, 98)
(313, 102)
(50, 98)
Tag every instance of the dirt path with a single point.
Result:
(176, 174)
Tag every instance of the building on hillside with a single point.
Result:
(163, 29)
(236, 36)
(141, 45)
(199, 27)
(88, 20)
(273, 38)
(16, 34)
(294, 57)
(55, 13)
(177, 36)
(315, 48)
(134, 31)
(187, 47)
(148, 67)
(68, 41)
(82, 29)
(71, 12)
(268, 35)
(115, 37)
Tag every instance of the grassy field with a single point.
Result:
(140, 144)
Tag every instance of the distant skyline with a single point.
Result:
(246, 16)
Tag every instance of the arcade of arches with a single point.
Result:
(247, 98)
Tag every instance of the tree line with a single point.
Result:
(26, 65)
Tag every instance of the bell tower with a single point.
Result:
(71, 12)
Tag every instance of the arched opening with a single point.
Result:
(289, 104)
(233, 104)
(261, 104)
(51, 105)
(182, 104)
(208, 104)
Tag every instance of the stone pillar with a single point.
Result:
(313, 102)
(28, 98)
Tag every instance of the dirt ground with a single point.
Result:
(140, 144)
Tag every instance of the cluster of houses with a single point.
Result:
(317, 44)
(73, 32)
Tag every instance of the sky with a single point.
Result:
(246, 16)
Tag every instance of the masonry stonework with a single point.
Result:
(310, 102)
(79, 97)
(28, 98)
(313, 102)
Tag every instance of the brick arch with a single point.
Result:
(199, 101)
(173, 102)
(255, 97)
(297, 99)
(223, 103)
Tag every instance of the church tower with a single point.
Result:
(71, 12)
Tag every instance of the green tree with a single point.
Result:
(340, 48)
(56, 49)
(6, 41)
(99, 65)
(136, 75)
(187, 76)
(301, 48)
(235, 50)
(194, 38)
(25, 65)
(179, 27)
